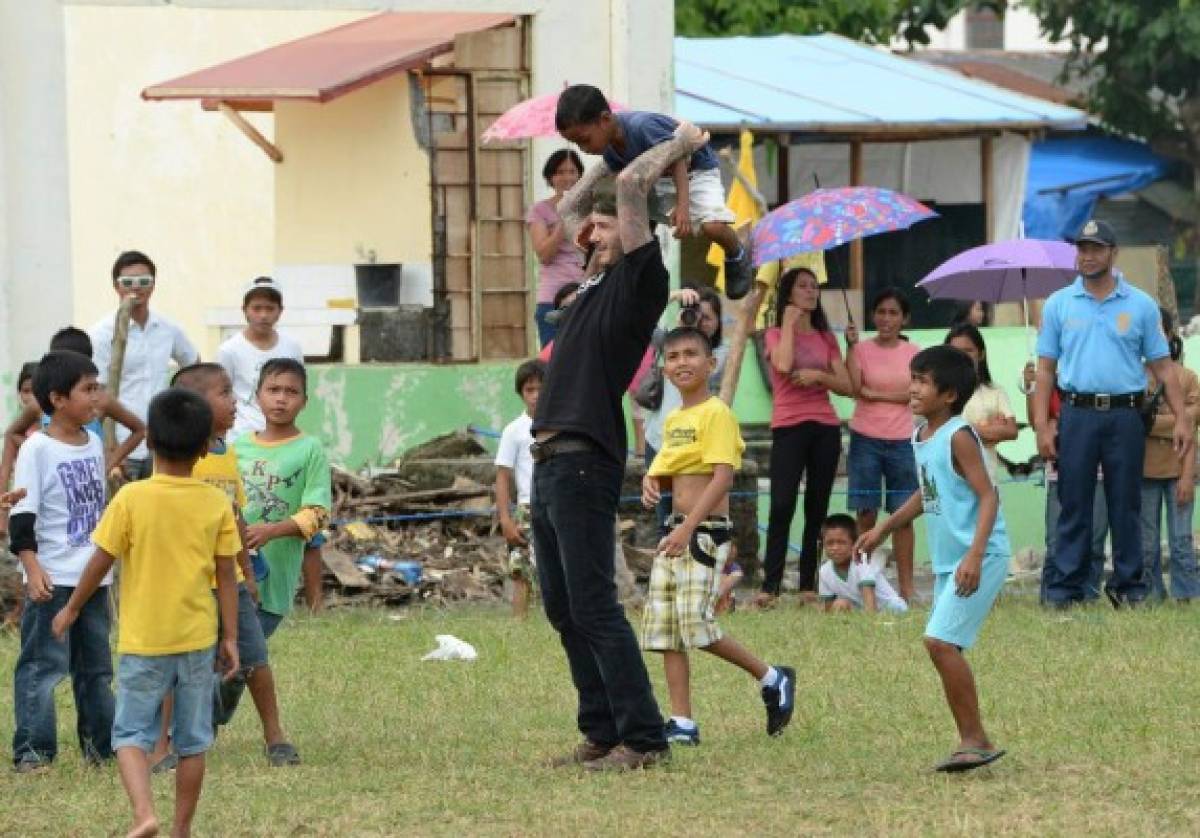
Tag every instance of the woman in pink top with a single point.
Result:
(806, 436)
(560, 260)
(881, 429)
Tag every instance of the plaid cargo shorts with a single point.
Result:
(520, 563)
(680, 610)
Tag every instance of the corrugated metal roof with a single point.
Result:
(329, 64)
(830, 84)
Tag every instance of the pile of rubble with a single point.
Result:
(424, 529)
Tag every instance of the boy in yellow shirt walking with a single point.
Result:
(702, 447)
(172, 533)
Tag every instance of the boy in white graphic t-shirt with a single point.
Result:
(846, 585)
(62, 473)
(513, 461)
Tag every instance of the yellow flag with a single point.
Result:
(769, 275)
(740, 202)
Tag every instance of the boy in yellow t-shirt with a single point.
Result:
(702, 447)
(172, 533)
(219, 467)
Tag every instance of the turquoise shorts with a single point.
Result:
(956, 619)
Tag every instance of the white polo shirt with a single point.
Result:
(148, 356)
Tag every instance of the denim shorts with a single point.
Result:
(872, 463)
(251, 643)
(143, 681)
(268, 622)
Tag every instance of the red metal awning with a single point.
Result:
(322, 67)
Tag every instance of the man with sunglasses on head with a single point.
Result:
(154, 341)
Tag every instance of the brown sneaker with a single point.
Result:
(622, 758)
(585, 751)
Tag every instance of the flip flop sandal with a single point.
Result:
(952, 765)
(168, 763)
(282, 754)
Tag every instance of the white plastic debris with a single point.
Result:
(450, 648)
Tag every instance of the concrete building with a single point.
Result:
(88, 168)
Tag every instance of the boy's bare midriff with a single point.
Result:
(686, 490)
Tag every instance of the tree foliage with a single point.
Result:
(1144, 57)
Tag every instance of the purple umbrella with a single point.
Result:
(1004, 272)
(826, 218)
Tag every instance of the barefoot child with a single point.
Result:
(171, 533)
(692, 195)
(288, 489)
(513, 461)
(846, 585)
(62, 473)
(702, 447)
(967, 538)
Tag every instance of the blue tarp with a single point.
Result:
(1068, 176)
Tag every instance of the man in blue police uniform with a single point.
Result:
(1098, 335)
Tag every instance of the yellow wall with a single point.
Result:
(182, 184)
(353, 180)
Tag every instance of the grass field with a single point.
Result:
(1097, 710)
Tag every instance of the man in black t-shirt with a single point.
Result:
(579, 463)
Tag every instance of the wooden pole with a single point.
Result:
(116, 365)
(987, 188)
(783, 175)
(252, 133)
(857, 269)
(742, 330)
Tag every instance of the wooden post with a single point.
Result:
(116, 365)
(742, 330)
(783, 175)
(987, 189)
(252, 133)
(857, 269)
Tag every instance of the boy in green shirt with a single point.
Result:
(286, 478)
(287, 487)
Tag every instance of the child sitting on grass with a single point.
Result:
(968, 541)
(693, 195)
(702, 447)
(171, 533)
(848, 585)
(513, 461)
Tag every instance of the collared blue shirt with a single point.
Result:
(1101, 345)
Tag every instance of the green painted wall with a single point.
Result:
(370, 414)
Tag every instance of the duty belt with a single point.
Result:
(1103, 401)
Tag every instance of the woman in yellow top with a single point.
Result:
(988, 410)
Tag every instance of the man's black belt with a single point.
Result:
(1103, 401)
(561, 444)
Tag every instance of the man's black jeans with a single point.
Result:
(574, 507)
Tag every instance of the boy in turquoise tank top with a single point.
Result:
(968, 542)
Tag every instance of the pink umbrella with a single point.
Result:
(531, 118)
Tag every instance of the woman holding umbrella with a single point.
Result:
(881, 429)
(806, 440)
(559, 261)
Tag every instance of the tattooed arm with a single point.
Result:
(576, 202)
(637, 179)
